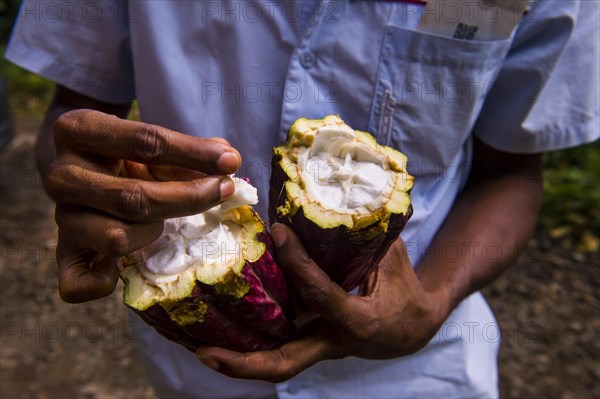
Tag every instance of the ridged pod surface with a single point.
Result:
(246, 309)
(346, 245)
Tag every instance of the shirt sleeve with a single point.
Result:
(82, 45)
(546, 95)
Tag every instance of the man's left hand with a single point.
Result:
(392, 316)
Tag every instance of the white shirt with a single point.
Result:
(246, 70)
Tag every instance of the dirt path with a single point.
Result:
(547, 307)
(50, 349)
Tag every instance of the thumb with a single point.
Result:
(274, 365)
(311, 283)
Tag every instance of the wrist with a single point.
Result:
(442, 297)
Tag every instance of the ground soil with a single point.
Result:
(547, 307)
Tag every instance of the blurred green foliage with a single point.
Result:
(572, 194)
(28, 93)
(20, 79)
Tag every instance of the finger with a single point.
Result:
(169, 173)
(275, 365)
(221, 140)
(134, 199)
(311, 283)
(136, 170)
(93, 132)
(84, 275)
(85, 228)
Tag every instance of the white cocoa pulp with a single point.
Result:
(199, 241)
(341, 173)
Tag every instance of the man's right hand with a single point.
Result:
(114, 182)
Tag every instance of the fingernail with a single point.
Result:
(209, 362)
(279, 235)
(227, 188)
(229, 162)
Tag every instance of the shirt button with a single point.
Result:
(307, 59)
(294, 387)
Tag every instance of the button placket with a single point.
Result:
(302, 59)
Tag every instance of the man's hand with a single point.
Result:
(400, 311)
(393, 316)
(114, 182)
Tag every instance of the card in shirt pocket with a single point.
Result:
(429, 91)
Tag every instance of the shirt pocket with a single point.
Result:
(428, 93)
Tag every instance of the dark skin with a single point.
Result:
(400, 309)
(115, 181)
(101, 217)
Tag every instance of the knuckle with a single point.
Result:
(246, 362)
(77, 293)
(134, 203)
(68, 120)
(204, 193)
(118, 242)
(68, 295)
(70, 291)
(149, 143)
(54, 181)
(66, 124)
(82, 280)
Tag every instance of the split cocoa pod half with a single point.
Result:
(211, 279)
(346, 197)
